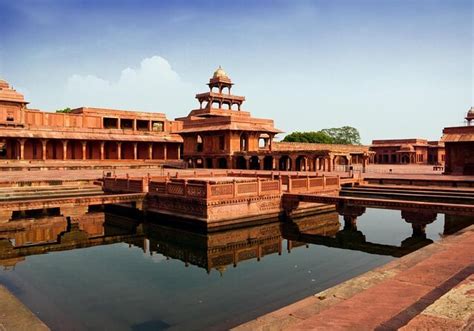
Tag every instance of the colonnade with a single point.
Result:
(64, 149)
(282, 162)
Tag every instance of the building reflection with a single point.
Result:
(211, 251)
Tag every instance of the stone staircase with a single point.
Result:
(412, 193)
(43, 192)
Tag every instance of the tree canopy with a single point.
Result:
(65, 110)
(346, 135)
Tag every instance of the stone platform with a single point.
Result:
(432, 288)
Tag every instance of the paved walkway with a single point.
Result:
(15, 316)
(430, 289)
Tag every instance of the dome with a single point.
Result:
(219, 73)
(407, 148)
(470, 113)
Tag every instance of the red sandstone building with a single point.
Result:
(219, 134)
(459, 142)
(408, 151)
(84, 134)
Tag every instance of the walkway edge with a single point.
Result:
(289, 316)
(15, 316)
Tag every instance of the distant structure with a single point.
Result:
(219, 134)
(459, 142)
(86, 134)
(408, 151)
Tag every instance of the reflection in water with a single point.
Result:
(135, 278)
(216, 250)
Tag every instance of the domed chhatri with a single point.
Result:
(220, 73)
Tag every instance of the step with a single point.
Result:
(411, 197)
(422, 192)
(51, 195)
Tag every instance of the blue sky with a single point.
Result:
(391, 68)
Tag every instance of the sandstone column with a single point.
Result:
(22, 148)
(135, 150)
(102, 154)
(261, 162)
(165, 152)
(150, 151)
(119, 150)
(65, 142)
(43, 145)
(84, 150)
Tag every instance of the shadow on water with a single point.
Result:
(132, 276)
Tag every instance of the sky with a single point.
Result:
(390, 68)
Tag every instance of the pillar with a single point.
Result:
(44, 142)
(317, 164)
(65, 142)
(165, 152)
(364, 163)
(135, 150)
(305, 163)
(102, 153)
(22, 148)
(84, 150)
(179, 155)
(276, 163)
(261, 162)
(119, 150)
(150, 151)
(330, 160)
(247, 162)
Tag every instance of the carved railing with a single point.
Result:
(313, 184)
(214, 190)
(125, 185)
(220, 189)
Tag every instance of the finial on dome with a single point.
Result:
(219, 73)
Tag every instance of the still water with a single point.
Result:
(106, 272)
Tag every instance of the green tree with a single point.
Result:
(346, 135)
(65, 110)
(309, 137)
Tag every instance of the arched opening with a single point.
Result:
(199, 163)
(216, 104)
(226, 106)
(405, 159)
(127, 151)
(209, 164)
(143, 151)
(301, 163)
(215, 89)
(205, 104)
(222, 163)
(54, 150)
(241, 163)
(235, 106)
(285, 163)
(93, 150)
(74, 150)
(111, 150)
(244, 142)
(254, 163)
(268, 163)
(199, 143)
(263, 141)
(33, 149)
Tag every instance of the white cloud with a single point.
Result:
(154, 86)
